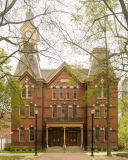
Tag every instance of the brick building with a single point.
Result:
(64, 119)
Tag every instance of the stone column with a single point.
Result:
(81, 137)
(64, 139)
(47, 137)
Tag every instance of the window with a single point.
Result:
(54, 93)
(74, 96)
(106, 138)
(54, 111)
(61, 92)
(68, 93)
(21, 134)
(29, 91)
(22, 110)
(105, 111)
(74, 111)
(31, 134)
(24, 92)
(64, 112)
(102, 91)
(31, 109)
(97, 111)
(97, 131)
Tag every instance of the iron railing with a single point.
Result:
(67, 119)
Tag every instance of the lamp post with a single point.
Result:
(36, 112)
(92, 112)
(1, 142)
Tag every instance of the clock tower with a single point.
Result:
(29, 57)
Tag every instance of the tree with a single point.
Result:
(123, 118)
(9, 87)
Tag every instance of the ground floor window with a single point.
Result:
(31, 134)
(21, 134)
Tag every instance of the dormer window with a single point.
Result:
(27, 91)
(61, 92)
(54, 92)
(75, 93)
(68, 93)
(24, 92)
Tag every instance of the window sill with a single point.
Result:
(101, 98)
(61, 99)
(27, 97)
(68, 99)
(31, 141)
(23, 117)
(74, 99)
(21, 141)
(31, 117)
(97, 117)
(54, 99)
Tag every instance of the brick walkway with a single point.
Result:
(64, 156)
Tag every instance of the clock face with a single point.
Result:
(28, 34)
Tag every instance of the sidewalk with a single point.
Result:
(104, 153)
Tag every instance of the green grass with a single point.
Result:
(2, 151)
(11, 157)
(122, 154)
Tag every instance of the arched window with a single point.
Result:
(74, 111)
(31, 109)
(24, 92)
(64, 112)
(97, 111)
(31, 134)
(21, 134)
(61, 92)
(22, 110)
(54, 111)
(54, 93)
(106, 138)
(75, 92)
(97, 132)
(29, 91)
(68, 93)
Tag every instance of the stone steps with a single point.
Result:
(73, 149)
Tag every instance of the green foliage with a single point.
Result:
(18, 149)
(93, 149)
(7, 149)
(9, 88)
(122, 154)
(29, 149)
(12, 149)
(23, 149)
(104, 148)
(120, 146)
(98, 149)
(115, 149)
(123, 119)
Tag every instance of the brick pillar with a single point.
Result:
(81, 137)
(64, 139)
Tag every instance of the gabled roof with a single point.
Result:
(79, 75)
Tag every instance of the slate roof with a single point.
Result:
(98, 64)
(46, 73)
(29, 61)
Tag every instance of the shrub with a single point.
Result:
(115, 149)
(98, 149)
(29, 149)
(122, 154)
(93, 149)
(23, 149)
(105, 149)
(12, 149)
(18, 149)
(7, 149)
(120, 147)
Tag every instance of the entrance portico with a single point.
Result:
(64, 134)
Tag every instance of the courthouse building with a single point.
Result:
(64, 106)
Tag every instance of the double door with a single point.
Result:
(56, 138)
(72, 139)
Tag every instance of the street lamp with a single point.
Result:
(92, 112)
(1, 142)
(36, 112)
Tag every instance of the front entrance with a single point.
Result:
(72, 139)
(56, 138)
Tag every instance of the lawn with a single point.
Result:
(12, 157)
